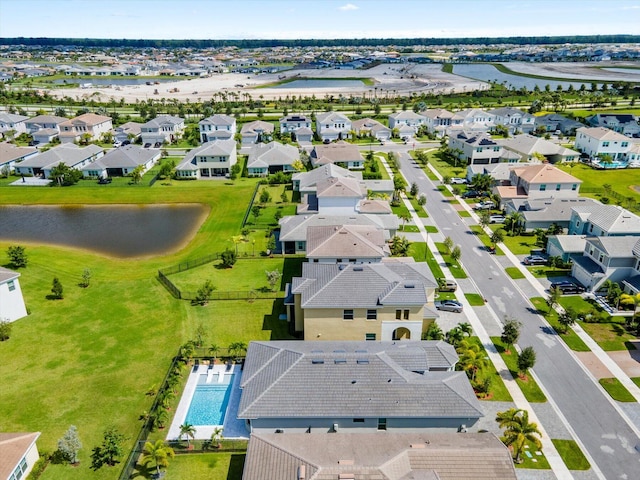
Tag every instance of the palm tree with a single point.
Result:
(216, 436)
(515, 222)
(214, 350)
(553, 298)
(405, 216)
(187, 430)
(518, 430)
(159, 453)
(472, 358)
(236, 348)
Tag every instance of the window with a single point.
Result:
(591, 228)
(406, 314)
(382, 424)
(479, 149)
(370, 337)
(624, 144)
(558, 186)
(398, 314)
(12, 285)
(605, 144)
(574, 187)
(358, 420)
(372, 314)
(543, 187)
(496, 149)
(347, 315)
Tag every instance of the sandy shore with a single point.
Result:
(578, 70)
(402, 80)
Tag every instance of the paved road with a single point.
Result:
(598, 424)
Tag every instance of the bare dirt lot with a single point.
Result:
(580, 70)
(401, 80)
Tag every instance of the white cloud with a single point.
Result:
(348, 7)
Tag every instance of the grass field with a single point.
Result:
(88, 359)
(529, 387)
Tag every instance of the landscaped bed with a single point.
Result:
(528, 385)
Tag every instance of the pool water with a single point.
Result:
(209, 403)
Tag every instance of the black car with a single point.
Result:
(104, 181)
(471, 194)
(568, 287)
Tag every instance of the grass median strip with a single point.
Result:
(497, 390)
(571, 454)
(527, 384)
(514, 273)
(474, 299)
(617, 391)
(571, 338)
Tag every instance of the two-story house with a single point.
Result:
(298, 125)
(406, 118)
(473, 120)
(514, 119)
(331, 126)
(90, 124)
(211, 159)
(160, 130)
(129, 131)
(217, 127)
(256, 132)
(597, 142)
(439, 120)
(44, 128)
(625, 124)
(11, 154)
(539, 181)
(553, 122)
(346, 244)
(70, 154)
(476, 148)
(340, 152)
(597, 220)
(11, 122)
(391, 300)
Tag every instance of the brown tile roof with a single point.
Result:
(544, 173)
(347, 241)
(13, 446)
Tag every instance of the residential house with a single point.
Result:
(10, 122)
(332, 126)
(11, 154)
(376, 301)
(599, 141)
(367, 127)
(256, 132)
(476, 149)
(129, 131)
(90, 124)
(341, 152)
(625, 124)
(514, 119)
(545, 212)
(439, 120)
(631, 284)
(407, 118)
(605, 258)
(267, 158)
(18, 454)
(217, 127)
(599, 220)
(531, 148)
(307, 182)
(539, 181)
(70, 154)
(299, 126)
(339, 196)
(293, 229)
(567, 247)
(122, 161)
(348, 243)
(316, 387)
(554, 122)
(160, 130)
(472, 120)
(44, 122)
(12, 305)
(392, 456)
(211, 159)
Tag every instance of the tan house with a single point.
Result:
(347, 243)
(340, 152)
(539, 181)
(89, 123)
(18, 454)
(390, 300)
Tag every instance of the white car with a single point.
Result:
(496, 219)
(458, 181)
(488, 205)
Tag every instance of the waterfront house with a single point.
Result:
(70, 154)
(120, 162)
(11, 154)
(12, 305)
(599, 141)
(211, 159)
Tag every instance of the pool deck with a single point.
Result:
(233, 428)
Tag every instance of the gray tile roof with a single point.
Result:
(257, 127)
(6, 275)
(365, 286)
(218, 119)
(570, 243)
(528, 145)
(129, 156)
(376, 456)
(294, 228)
(332, 117)
(303, 379)
(308, 180)
(42, 119)
(611, 218)
(161, 120)
(335, 152)
(346, 241)
(272, 154)
(615, 247)
(12, 118)
(10, 152)
(67, 153)
(553, 209)
(215, 148)
(340, 187)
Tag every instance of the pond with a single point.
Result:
(111, 81)
(320, 83)
(123, 231)
(487, 73)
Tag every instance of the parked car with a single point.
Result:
(449, 306)
(496, 219)
(471, 194)
(104, 181)
(445, 285)
(486, 205)
(535, 260)
(458, 181)
(568, 287)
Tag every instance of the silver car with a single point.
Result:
(449, 306)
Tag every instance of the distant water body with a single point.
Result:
(124, 231)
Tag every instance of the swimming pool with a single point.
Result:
(209, 402)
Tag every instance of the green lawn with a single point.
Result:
(206, 466)
(529, 387)
(484, 238)
(571, 454)
(514, 273)
(610, 336)
(474, 299)
(571, 338)
(409, 228)
(520, 245)
(418, 208)
(617, 391)
(497, 390)
(420, 252)
(109, 343)
(636, 380)
(431, 229)
(543, 271)
(540, 463)
(454, 266)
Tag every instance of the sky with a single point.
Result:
(291, 19)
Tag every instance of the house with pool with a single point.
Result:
(319, 387)
(120, 162)
(211, 159)
(70, 154)
(596, 142)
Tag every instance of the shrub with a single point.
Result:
(5, 330)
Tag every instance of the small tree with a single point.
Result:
(5, 330)
(236, 170)
(518, 430)
(216, 436)
(110, 451)
(56, 289)
(399, 246)
(159, 453)
(86, 278)
(553, 298)
(17, 256)
(203, 295)
(214, 349)
(434, 332)
(273, 278)
(448, 243)
(283, 196)
(265, 196)
(422, 200)
(278, 215)
(510, 332)
(187, 430)
(456, 253)
(228, 258)
(136, 174)
(414, 189)
(526, 360)
(69, 445)
(256, 211)
(567, 318)
(237, 348)
(271, 243)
